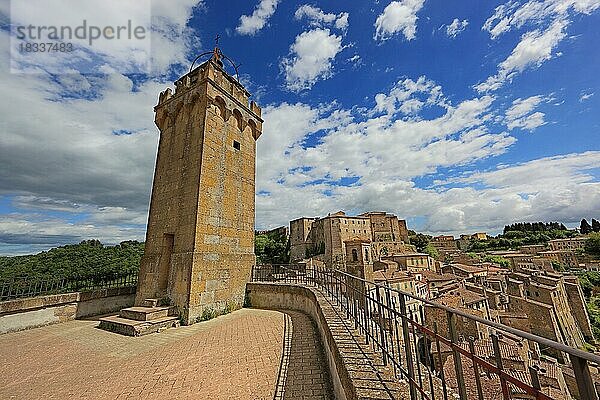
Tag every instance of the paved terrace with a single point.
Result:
(236, 356)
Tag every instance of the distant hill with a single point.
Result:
(87, 258)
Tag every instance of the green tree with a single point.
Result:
(86, 259)
(420, 241)
(585, 227)
(271, 249)
(432, 251)
(595, 225)
(501, 261)
(558, 266)
(592, 244)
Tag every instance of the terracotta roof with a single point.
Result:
(432, 276)
(460, 297)
(391, 276)
(467, 268)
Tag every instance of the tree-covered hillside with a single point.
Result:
(524, 233)
(87, 258)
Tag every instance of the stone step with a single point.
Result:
(150, 303)
(144, 313)
(130, 327)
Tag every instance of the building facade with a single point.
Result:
(325, 237)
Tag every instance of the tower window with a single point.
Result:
(236, 145)
(354, 255)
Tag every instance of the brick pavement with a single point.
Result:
(303, 373)
(236, 356)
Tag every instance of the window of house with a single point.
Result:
(236, 145)
(354, 255)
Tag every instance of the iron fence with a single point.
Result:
(23, 287)
(429, 345)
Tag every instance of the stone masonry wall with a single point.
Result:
(200, 238)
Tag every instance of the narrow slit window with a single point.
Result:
(236, 145)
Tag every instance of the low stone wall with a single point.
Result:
(351, 368)
(20, 314)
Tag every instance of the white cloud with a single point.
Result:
(456, 27)
(382, 153)
(514, 15)
(169, 44)
(356, 60)
(534, 48)
(402, 98)
(520, 115)
(311, 58)
(251, 24)
(317, 17)
(585, 96)
(398, 17)
(551, 17)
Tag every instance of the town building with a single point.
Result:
(404, 281)
(444, 244)
(280, 231)
(413, 262)
(325, 237)
(570, 244)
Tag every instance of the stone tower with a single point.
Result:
(358, 258)
(200, 237)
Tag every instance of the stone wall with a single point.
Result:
(20, 314)
(341, 349)
(578, 308)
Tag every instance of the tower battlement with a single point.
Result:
(211, 71)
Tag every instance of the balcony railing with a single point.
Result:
(428, 344)
(23, 287)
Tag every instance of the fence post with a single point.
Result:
(587, 391)
(498, 356)
(462, 391)
(475, 369)
(407, 348)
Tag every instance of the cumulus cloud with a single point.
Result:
(168, 45)
(86, 151)
(520, 115)
(311, 58)
(409, 97)
(456, 27)
(251, 24)
(317, 17)
(363, 159)
(383, 155)
(313, 52)
(398, 17)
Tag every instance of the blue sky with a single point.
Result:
(457, 116)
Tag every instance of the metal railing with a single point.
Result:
(428, 345)
(23, 287)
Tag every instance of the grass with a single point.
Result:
(210, 313)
